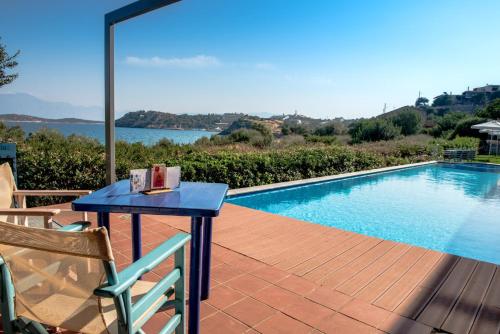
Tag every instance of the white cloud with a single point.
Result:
(265, 66)
(199, 61)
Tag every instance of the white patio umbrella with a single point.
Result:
(492, 128)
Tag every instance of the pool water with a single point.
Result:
(454, 208)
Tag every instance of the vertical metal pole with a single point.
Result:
(136, 237)
(207, 254)
(179, 288)
(195, 274)
(103, 221)
(109, 99)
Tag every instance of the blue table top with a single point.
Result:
(190, 199)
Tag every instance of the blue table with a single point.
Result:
(200, 201)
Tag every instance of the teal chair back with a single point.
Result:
(68, 279)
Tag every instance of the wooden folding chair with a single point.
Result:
(68, 279)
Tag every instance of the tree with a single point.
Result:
(332, 128)
(447, 123)
(491, 111)
(442, 100)
(463, 128)
(7, 63)
(422, 102)
(373, 130)
(409, 121)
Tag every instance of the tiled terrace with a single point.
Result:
(272, 274)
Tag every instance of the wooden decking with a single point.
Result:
(446, 292)
(273, 274)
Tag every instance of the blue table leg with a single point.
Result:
(103, 221)
(136, 237)
(195, 275)
(207, 255)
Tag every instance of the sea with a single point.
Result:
(130, 135)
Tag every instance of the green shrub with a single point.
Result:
(463, 128)
(48, 160)
(447, 124)
(492, 110)
(458, 142)
(408, 121)
(373, 130)
(328, 140)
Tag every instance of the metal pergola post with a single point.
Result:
(110, 19)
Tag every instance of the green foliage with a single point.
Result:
(447, 123)
(332, 128)
(250, 136)
(410, 122)
(421, 102)
(7, 62)
(162, 120)
(11, 134)
(373, 130)
(242, 131)
(463, 128)
(458, 142)
(442, 100)
(492, 110)
(494, 159)
(326, 130)
(295, 129)
(48, 160)
(328, 140)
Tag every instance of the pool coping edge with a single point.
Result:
(289, 184)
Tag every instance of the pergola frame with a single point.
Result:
(110, 19)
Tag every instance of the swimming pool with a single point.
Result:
(454, 208)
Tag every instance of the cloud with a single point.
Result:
(265, 66)
(195, 62)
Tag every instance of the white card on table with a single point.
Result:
(173, 177)
(138, 180)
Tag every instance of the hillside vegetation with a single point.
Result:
(162, 120)
(48, 160)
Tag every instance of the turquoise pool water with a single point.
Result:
(454, 208)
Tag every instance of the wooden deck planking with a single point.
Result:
(462, 316)
(419, 297)
(338, 277)
(417, 287)
(325, 244)
(488, 318)
(379, 285)
(398, 292)
(375, 269)
(442, 302)
(341, 260)
(336, 249)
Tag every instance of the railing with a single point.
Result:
(459, 155)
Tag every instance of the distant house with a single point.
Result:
(481, 95)
(487, 89)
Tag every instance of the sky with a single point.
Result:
(320, 58)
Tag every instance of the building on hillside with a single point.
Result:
(487, 89)
(476, 96)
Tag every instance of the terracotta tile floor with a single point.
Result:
(272, 274)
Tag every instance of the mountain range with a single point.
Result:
(29, 105)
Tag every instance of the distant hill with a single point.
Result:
(403, 109)
(161, 120)
(27, 118)
(26, 104)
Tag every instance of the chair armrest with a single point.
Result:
(51, 192)
(128, 276)
(30, 212)
(75, 227)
